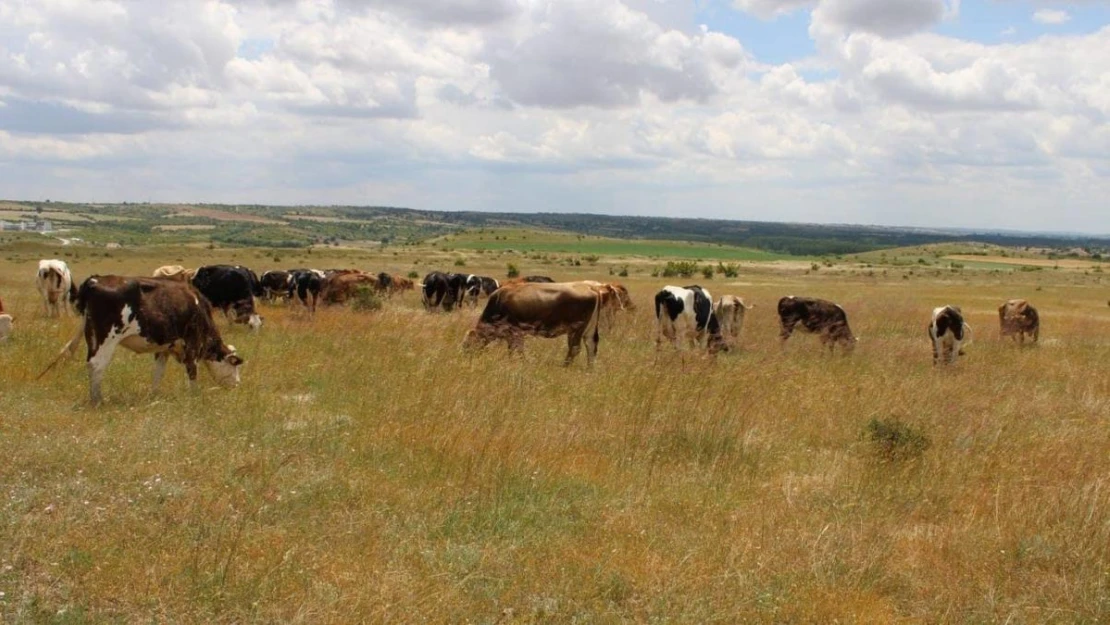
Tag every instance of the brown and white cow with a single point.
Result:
(5, 323)
(149, 316)
(175, 272)
(822, 317)
(542, 309)
(949, 332)
(730, 313)
(340, 287)
(1017, 318)
(55, 284)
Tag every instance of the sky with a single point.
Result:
(934, 113)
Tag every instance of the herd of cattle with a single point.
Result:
(171, 313)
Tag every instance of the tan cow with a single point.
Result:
(542, 309)
(730, 313)
(5, 323)
(340, 287)
(400, 284)
(175, 272)
(1017, 318)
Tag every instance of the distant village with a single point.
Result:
(26, 225)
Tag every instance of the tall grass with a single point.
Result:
(368, 470)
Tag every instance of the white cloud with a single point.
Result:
(1050, 16)
(614, 105)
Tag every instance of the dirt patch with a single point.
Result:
(220, 215)
(186, 227)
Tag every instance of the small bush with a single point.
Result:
(366, 299)
(623, 272)
(413, 275)
(894, 440)
(684, 268)
(512, 271)
(707, 272)
(730, 270)
(460, 262)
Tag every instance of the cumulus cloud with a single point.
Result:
(568, 53)
(1050, 16)
(615, 105)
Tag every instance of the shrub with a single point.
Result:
(460, 262)
(894, 440)
(684, 268)
(707, 272)
(730, 270)
(623, 272)
(366, 299)
(413, 275)
(512, 271)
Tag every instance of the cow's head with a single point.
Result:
(224, 364)
(475, 340)
(244, 313)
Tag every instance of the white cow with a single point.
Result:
(950, 334)
(55, 284)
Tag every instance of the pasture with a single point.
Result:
(368, 470)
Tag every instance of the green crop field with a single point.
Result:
(368, 470)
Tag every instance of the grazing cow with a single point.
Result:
(443, 290)
(175, 272)
(399, 284)
(341, 287)
(694, 307)
(825, 318)
(730, 312)
(5, 323)
(547, 310)
(232, 289)
(615, 298)
(306, 284)
(149, 316)
(1017, 318)
(949, 332)
(56, 286)
(385, 283)
(477, 286)
(275, 283)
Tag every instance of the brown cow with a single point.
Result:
(175, 272)
(400, 284)
(340, 287)
(730, 312)
(1017, 318)
(819, 316)
(542, 309)
(149, 316)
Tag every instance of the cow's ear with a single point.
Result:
(234, 360)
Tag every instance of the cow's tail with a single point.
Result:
(595, 316)
(68, 349)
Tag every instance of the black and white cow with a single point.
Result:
(232, 289)
(477, 286)
(275, 284)
(5, 323)
(149, 316)
(306, 284)
(949, 333)
(688, 310)
(443, 290)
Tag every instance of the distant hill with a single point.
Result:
(297, 226)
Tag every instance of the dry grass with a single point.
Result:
(369, 471)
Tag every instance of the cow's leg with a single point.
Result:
(786, 331)
(591, 347)
(191, 370)
(97, 363)
(159, 370)
(574, 345)
(936, 349)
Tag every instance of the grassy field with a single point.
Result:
(565, 243)
(367, 470)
